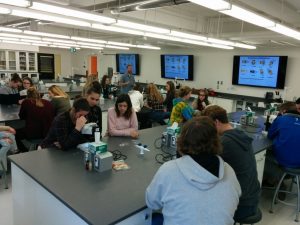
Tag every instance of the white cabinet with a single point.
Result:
(18, 61)
(260, 164)
(228, 104)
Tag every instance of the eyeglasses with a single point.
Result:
(202, 95)
(26, 83)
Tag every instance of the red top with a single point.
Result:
(37, 119)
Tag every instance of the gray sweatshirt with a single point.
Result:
(190, 195)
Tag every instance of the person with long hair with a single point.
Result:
(155, 102)
(170, 88)
(202, 101)
(26, 83)
(89, 83)
(199, 187)
(106, 87)
(121, 119)
(59, 99)
(38, 114)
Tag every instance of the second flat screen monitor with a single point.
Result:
(177, 67)
(125, 59)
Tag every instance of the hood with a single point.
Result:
(197, 175)
(239, 137)
(177, 100)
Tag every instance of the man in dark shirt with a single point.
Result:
(238, 153)
(65, 131)
(127, 80)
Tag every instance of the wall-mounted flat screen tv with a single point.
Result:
(125, 59)
(259, 71)
(177, 67)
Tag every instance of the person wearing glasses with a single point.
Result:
(26, 84)
(202, 101)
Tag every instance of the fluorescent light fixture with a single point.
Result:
(138, 26)
(45, 34)
(4, 10)
(8, 29)
(213, 4)
(19, 36)
(15, 42)
(120, 44)
(36, 42)
(117, 29)
(88, 40)
(39, 44)
(285, 31)
(222, 46)
(89, 44)
(248, 16)
(218, 41)
(72, 12)
(65, 44)
(116, 47)
(9, 39)
(56, 46)
(21, 3)
(161, 36)
(43, 16)
(58, 40)
(148, 47)
(240, 45)
(187, 35)
(90, 47)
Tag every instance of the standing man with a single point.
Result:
(238, 153)
(127, 81)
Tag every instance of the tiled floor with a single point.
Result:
(283, 215)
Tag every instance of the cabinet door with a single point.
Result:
(32, 61)
(260, 164)
(2, 60)
(22, 61)
(12, 60)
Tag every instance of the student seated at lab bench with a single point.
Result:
(65, 131)
(199, 187)
(171, 92)
(284, 132)
(121, 119)
(108, 89)
(155, 104)
(59, 99)
(182, 111)
(9, 93)
(95, 114)
(38, 115)
(202, 101)
(238, 153)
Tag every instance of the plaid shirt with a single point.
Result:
(63, 131)
(156, 105)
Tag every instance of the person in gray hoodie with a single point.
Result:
(238, 153)
(199, 187)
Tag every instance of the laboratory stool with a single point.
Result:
(250, 219)
(294, 173)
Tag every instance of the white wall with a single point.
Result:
(210, 66)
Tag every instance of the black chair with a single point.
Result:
(294, 173)
(250, 219)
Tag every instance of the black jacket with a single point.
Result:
(238, 153)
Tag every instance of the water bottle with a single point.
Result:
(97, 135)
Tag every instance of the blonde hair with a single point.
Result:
(34, 96)
(57, 91)
(153, 93)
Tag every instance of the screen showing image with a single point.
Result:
(177, 66)
(125, 59)
(260, 71)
